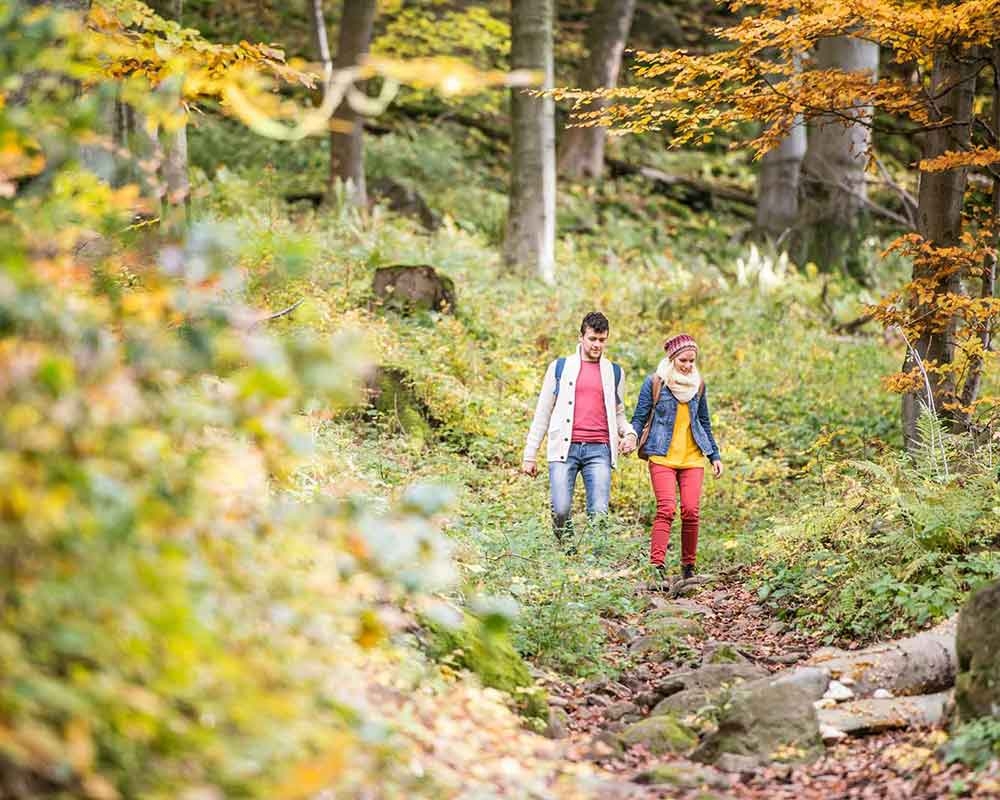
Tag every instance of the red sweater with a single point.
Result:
(590, 420)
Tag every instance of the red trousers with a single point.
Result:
(665, 481)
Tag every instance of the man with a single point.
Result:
(580, 408)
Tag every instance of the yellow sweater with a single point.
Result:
(683, 453)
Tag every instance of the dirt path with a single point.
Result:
(900, 764)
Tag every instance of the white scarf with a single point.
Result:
(683, 387)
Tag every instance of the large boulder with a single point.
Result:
(977, 646)
(765, 721)
(407, 288)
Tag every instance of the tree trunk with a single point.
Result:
(873, 715)
(347, 162)
(833, 180)
(322, 42)
(582, 153)
(939, 221)
(530, 238)
(988, 282)
(778, 185)
(919, 664)
(174, 151)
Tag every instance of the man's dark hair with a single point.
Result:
(596, 321)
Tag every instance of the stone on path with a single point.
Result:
(660, 735)
(767, 721)
(977, 685)
(684, 776)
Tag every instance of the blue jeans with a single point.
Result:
(594, 461)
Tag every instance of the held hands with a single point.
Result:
(529, 468)
(717, 469)
(627, 445)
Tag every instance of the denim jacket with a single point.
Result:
(664, 415)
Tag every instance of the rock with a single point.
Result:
(654, 648)
(777, 628)
(659, 735)
(755, 610)
(686, 692)
(716, 652)
(674, 621)
(882, 694)
(404, 201)
(767, 721)
(620, 709)
(814, 680)
(731, 762)
(405, 288)
(605, 745)
(837, 692)
(977, 645)
(829, 734)
(558, 724)
(682, 607)
(684, 776)
(493, 659)
(791, 657)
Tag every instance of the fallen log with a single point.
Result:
(881, 714)
(919, 664)
(692, 191)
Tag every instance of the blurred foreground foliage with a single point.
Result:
(181, 617)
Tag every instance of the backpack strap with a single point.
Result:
(617, 370)
(560, 364)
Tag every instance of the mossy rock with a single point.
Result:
(491, 656)
(683, 776)
(660, 735)
(668, 622)
(390, 392)
(725, 654)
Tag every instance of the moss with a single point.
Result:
(727, 654)
(659, 735)
(491, 656)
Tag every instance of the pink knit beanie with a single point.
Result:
(675, 344)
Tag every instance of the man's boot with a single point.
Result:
(687, 571)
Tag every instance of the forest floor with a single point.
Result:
(895, 764)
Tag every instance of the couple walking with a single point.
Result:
(580, 408)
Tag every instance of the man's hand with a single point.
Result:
(529, 468)
(717, 469)
(627, 445)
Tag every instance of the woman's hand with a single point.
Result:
(717, 469)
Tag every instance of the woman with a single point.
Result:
(678, 440)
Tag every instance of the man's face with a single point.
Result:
(592, 344)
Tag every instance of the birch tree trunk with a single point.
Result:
(939, 222)
(347, 162)
(778, 185)
(531, 225)
(833, 180)
(582, 153)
